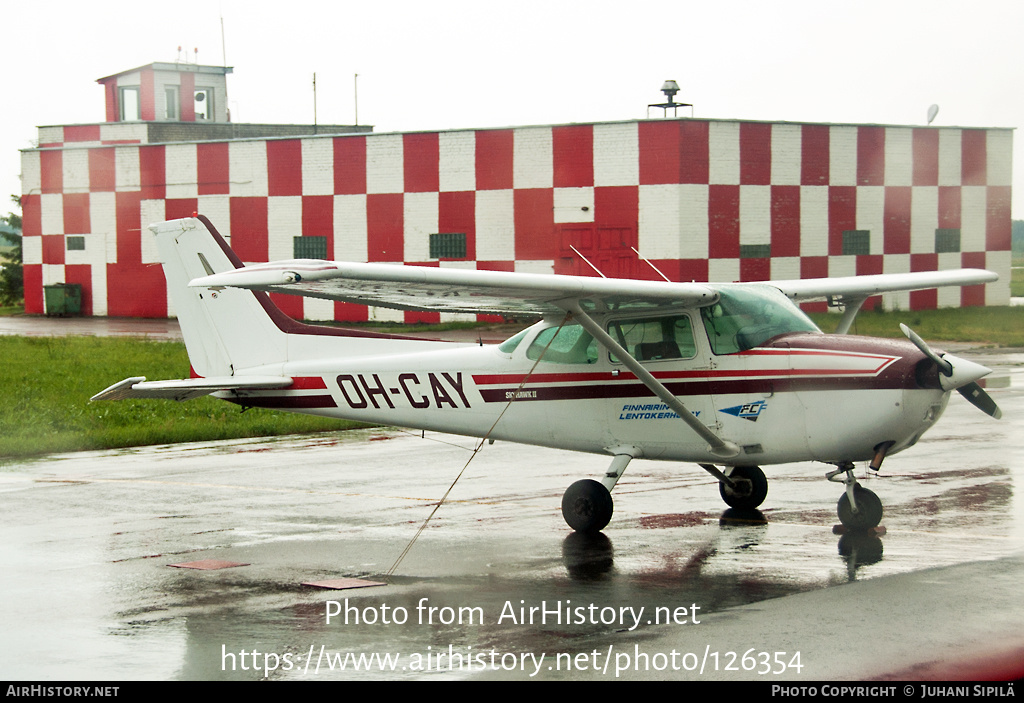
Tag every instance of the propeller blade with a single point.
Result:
(967, 374)
(944, 366)
(977, 397)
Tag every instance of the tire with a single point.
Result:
(751, 491)
(869, 510)
(587, 506)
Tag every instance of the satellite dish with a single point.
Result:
(932, 112)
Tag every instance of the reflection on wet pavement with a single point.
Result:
(86, 540)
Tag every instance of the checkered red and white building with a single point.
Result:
(719, 200)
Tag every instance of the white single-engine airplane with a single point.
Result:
(729, 375)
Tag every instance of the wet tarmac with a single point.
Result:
(496, 586)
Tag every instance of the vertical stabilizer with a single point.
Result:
(225, 330)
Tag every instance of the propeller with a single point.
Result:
(958, 374)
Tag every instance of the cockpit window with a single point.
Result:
(510, 344)
(749, 315)
(568, 344)
(655, 338)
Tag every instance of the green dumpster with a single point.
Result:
(63, 299)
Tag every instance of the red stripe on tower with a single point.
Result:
(896, 232)
(284, 167)
(187, 97)
(385, 232)
(152, 173)
(421, 162)
(755, 153)
(349, 165)
(573, 156)
(842, 216)
(102, 170)
(998, 225)
(213, 169)
(534, 223)
(494, 155)
(723, 222)
(51, 167)
(456, 212)
(871, 156)
(76, 213)
(973, 157)
(785, 221)
(814, 155)
(249, 236)
(82, 133)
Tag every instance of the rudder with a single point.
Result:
(224, 330)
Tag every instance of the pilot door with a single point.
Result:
(670, 348)
(753, 387)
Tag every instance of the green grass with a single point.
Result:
(48, 381)
(1017, 281)
(992, 326)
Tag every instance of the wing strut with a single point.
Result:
(719, 447)
(852, 306)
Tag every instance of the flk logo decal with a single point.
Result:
(748, 411)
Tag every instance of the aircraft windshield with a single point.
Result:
(749, 315)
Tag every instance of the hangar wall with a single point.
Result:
(719, 200)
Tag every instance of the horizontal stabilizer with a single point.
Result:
(188, 388)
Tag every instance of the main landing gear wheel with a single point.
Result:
(750, 490)
(869, 510)
(587, 506)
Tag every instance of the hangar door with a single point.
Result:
(610, 249)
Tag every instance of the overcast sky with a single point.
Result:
(461, 64)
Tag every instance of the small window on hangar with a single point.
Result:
(947, 241)
(857, 241)
(448, 245)
(309, 247)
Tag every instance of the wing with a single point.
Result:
(502, 292)
(454, 290)
(859, 287)
(186, 389)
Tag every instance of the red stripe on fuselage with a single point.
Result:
(308, 383)
(606, 377)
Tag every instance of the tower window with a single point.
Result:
(129, 104)
(171, 97)
(204, 103)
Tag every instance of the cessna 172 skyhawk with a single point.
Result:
(724, 375)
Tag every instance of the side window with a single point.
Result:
(570, 344)
(654, 339)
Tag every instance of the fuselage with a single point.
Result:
(780, 394)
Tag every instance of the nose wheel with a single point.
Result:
(859, 509)
(867, 513)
